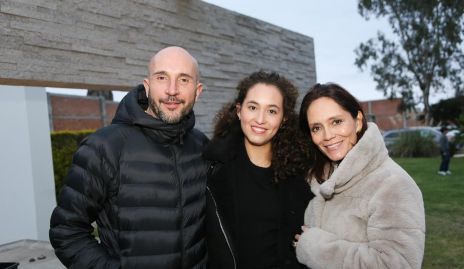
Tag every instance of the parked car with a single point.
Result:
(389, 137)
(452, 134)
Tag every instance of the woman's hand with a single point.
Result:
(297, 236)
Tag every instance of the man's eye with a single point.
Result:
(184, 80)
(161, 78)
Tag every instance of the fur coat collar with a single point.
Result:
(367, 155)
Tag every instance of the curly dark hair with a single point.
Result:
(344, 99)
(290, 150)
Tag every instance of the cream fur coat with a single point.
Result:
(368, 214)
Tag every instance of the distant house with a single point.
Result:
(386, 115)
(71, 112)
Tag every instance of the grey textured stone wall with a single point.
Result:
(105, 45)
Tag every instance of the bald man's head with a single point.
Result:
(174, 54)
(172, 85)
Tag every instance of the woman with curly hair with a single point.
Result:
(256, 193)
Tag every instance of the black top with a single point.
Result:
(250, 221)
(260, 213)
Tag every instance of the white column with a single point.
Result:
(27, 189)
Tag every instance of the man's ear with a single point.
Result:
(145, 85)
(198, 90)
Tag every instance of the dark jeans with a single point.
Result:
(445, 159)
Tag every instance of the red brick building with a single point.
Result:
(70, 112)
(387, 115)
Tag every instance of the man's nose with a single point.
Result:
(172, 88)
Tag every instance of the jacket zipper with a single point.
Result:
(181, 208)
(222, 228)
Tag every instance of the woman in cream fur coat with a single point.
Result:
(367, 211)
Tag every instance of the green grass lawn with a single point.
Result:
(444, 210)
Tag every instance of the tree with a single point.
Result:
(428, 51)
(107, 95)
(449, 110)
(458, 80)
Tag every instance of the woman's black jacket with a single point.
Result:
(221, 251)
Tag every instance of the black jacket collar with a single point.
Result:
(131, 111)
(226, 148)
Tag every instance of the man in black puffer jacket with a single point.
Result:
(142, 179)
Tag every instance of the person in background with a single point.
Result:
(142, 179)
(256, 193)
(444, 152)
(367, 212)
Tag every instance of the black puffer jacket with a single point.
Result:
(143, 182)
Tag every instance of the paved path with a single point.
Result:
(30, 254)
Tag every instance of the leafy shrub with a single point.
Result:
(412, 144)
(64, 144)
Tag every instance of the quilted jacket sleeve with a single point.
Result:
(79, 204)
(395, 235)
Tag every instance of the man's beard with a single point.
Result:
(166, 117)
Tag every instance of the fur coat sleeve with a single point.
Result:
(368, 214)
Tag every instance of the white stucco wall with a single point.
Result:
(27, 191)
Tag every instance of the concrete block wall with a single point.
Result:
(105, 45)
